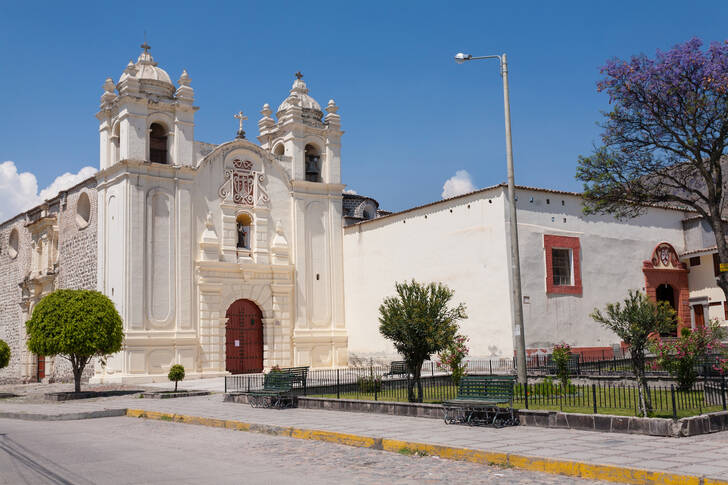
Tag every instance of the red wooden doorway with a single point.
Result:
(40, 369)
(244, 338)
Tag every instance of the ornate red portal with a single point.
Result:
(666, 279)
(244, 338)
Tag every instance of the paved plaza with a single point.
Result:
(702, 456)
(129, 451)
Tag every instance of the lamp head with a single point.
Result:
(460, 57)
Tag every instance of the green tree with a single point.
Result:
(635, 322)
(76, 325)
(4, 354)
(665, 139)
(176, 374)
(419, 321)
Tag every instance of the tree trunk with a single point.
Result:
(414, 371)
(418, 380)
(78, 363)
(175, 386)
(410, 384)
(638, 365)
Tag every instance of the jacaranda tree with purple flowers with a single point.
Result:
(664, 142)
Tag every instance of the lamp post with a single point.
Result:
(516, 299)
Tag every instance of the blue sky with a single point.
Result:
(412, 117)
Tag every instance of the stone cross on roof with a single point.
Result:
(146, 47)
(240, 117)
(299, 75)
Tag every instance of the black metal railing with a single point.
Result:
(377, 383)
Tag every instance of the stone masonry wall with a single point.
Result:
(77, 261)
(77, 258)
(12, 270)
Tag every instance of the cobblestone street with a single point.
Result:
(126, 451)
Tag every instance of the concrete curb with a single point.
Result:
(611, 473)
(106, 413)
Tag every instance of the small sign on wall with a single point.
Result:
(237, 343)
(723, 267)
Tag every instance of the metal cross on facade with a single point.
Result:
(299, 75)
(146, 47)
(240, 117)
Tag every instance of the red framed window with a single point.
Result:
(563, 265)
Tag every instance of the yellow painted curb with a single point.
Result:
(611, 473)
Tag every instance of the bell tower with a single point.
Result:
(145, 118)
(308, 145)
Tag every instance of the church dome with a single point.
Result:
(146, 70)
(299, 97)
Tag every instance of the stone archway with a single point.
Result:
(666, 279)
(244, 338)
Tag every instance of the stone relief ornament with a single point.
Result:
(665, 256)
(243, 185)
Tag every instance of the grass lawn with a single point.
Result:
(615, 400)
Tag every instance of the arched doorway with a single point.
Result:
(244, 338)
(665, 292)
(666, 279)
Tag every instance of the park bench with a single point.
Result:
(298, 375)
(276, 393)
(397, 368)
(479, 401)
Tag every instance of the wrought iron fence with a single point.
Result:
(378, 383)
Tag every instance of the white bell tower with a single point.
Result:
(144, 118)
(308, 145)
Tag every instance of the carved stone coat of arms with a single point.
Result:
(243, 185)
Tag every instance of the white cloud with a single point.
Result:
(458, 184)
(66, 181)
(350, 191)
(19, 190)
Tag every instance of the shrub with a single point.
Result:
(452, 358)
(176, 374)
(4, 354)
(369, 384)
(561, 356)
(681, 357)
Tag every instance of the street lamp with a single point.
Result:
(517, 301)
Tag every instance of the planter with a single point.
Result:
(68, 396)
(172, 394)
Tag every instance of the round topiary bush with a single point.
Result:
(4, 354)
(77, 325)
(176, 374)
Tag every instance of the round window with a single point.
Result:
(13, 244)
(83, 210)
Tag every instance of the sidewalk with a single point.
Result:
(698, 456)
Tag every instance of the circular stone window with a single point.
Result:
(83, 210)
(13, 244)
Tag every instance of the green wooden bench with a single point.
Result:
(479, 401)
(276, 393)
(397, 368)
(298, 375)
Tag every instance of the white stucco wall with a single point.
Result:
(463, 242)
(612, 253)
(460, 242)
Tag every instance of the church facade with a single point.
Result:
(222, 258)
(236, 257)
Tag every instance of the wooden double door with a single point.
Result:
(244, 338)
